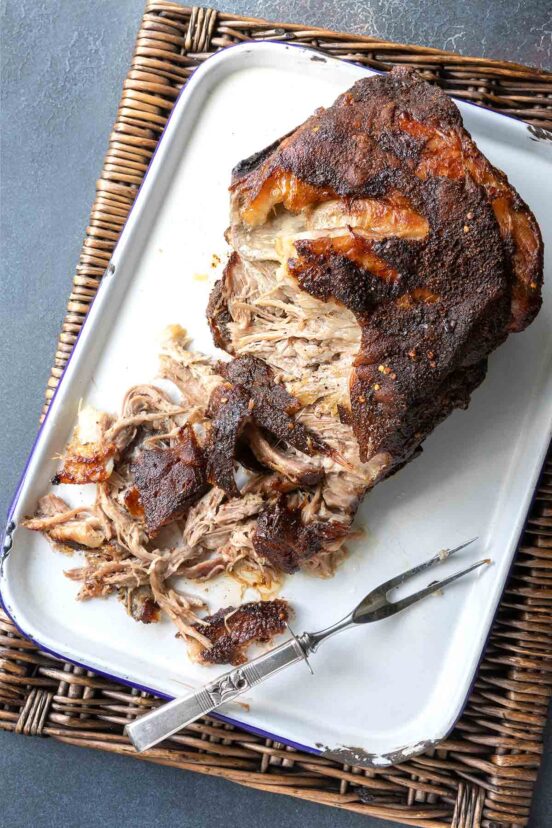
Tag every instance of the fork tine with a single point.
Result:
(392, 583)
(398, 606)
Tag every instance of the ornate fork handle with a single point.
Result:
(167, 719)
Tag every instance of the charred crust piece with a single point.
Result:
(345, 414)
(169, 480)
(230, 409)
(256, 377)
(271, 405)
(397, 427)
(283, 539)
(218, 314)
(231, 630)
(251, 394)
(345, 269)
(415, 345)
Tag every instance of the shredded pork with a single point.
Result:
(157, 445)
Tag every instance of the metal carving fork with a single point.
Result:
(167, 719)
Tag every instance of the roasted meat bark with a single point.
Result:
(286, 540)
(168, 480)
(272, 407)
(229, 408)
(378, 258)
(230, 631)
(251, 395)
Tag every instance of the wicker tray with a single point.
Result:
(483, 774)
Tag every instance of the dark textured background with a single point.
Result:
(63, 63)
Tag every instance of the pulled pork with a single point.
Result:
(168, 504)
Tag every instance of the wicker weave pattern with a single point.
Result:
(483, 774)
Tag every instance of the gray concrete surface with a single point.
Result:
(63, 63)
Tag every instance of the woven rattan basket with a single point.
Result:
(484, 773)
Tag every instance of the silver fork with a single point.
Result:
(159, 724)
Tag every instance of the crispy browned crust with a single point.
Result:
(169, 480)
(217, 311)
(230, 411)
(283, 539)
(430, 309)
(231, 630)
(250, 394)
(89, 465)
(271, 405)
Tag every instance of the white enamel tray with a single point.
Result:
(381, 693)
